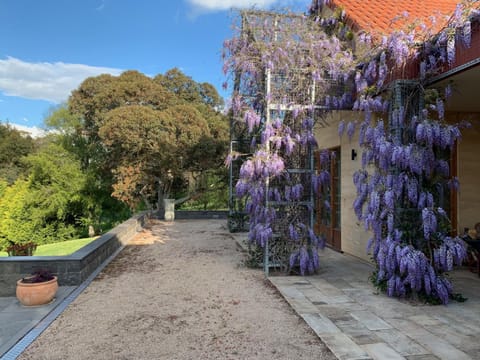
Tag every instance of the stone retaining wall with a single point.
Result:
(72, 269)
(199, 214)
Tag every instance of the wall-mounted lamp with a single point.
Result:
(354, 154)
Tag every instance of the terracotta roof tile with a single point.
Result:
(376, 15)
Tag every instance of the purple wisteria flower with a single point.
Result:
(404, 160)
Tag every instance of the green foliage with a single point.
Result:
(136, 133)
(15, 223)
(211, 192)
(62, 120)
(13, 146)
(47, 206)
(3, 187)
(183, 86)
(56, 181)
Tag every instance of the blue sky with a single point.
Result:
(48, 47)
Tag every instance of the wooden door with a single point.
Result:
(328, 202)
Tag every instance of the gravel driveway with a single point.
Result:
(179, 291)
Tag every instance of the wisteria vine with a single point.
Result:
(276, 177)
(400, 200)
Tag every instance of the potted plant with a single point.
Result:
(37, 289)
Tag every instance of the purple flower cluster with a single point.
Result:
(399, 199)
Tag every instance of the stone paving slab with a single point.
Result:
(382, 351)
(357, 322)
(370, 320)
(401, 343)
(17, 320)
(320, 324)
(343, 347)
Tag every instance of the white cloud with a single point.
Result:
(43, 80)
(219, 5)
(33, 131)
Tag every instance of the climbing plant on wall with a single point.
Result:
(305, 66)
(405, 180)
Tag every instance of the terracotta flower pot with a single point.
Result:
(31, 294)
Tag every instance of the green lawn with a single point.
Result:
(59, 249)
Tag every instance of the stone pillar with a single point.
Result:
(169, 205)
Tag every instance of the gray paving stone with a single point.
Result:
(341, 317)
(359, 333)
(465, 325)
(436, 345)
(341, 283)
(353, 328)
(343, 347)
(366, 339)
(370, 320)
(473, 352)
(303, 306)
(442, 349)
(5, 301)
(302, 283)
(401, 343)
(326, 288)
(425, 320)
(284, 280)
(315, 295)
(413, 330)
(291, 292)
(336, 311)
(340, 299)
(421, 357)
(381, 351)
(320, 324)
(410, 328)
(16, 330)
(456, 338)
(17, 320)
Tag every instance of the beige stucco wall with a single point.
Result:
(354, 237)
(468, 172)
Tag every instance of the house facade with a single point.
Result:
(344, 232)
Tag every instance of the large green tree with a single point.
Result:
(47, 205)
(137, 133)
(14, 145)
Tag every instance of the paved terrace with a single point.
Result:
(343, 309)
(356, 322)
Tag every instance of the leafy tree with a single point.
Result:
(15, 223)
(136, 133)
(102, 211)
(183, 86)
(141, 146)
(13, 146)
(56, 181)
(46, 206)
(210, 95)
(3, 187)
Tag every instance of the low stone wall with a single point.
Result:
(72, 269)
(199, 214)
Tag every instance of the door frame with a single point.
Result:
(331, 231)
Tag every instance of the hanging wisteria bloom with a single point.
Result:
(277, 179)
(405, 173)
